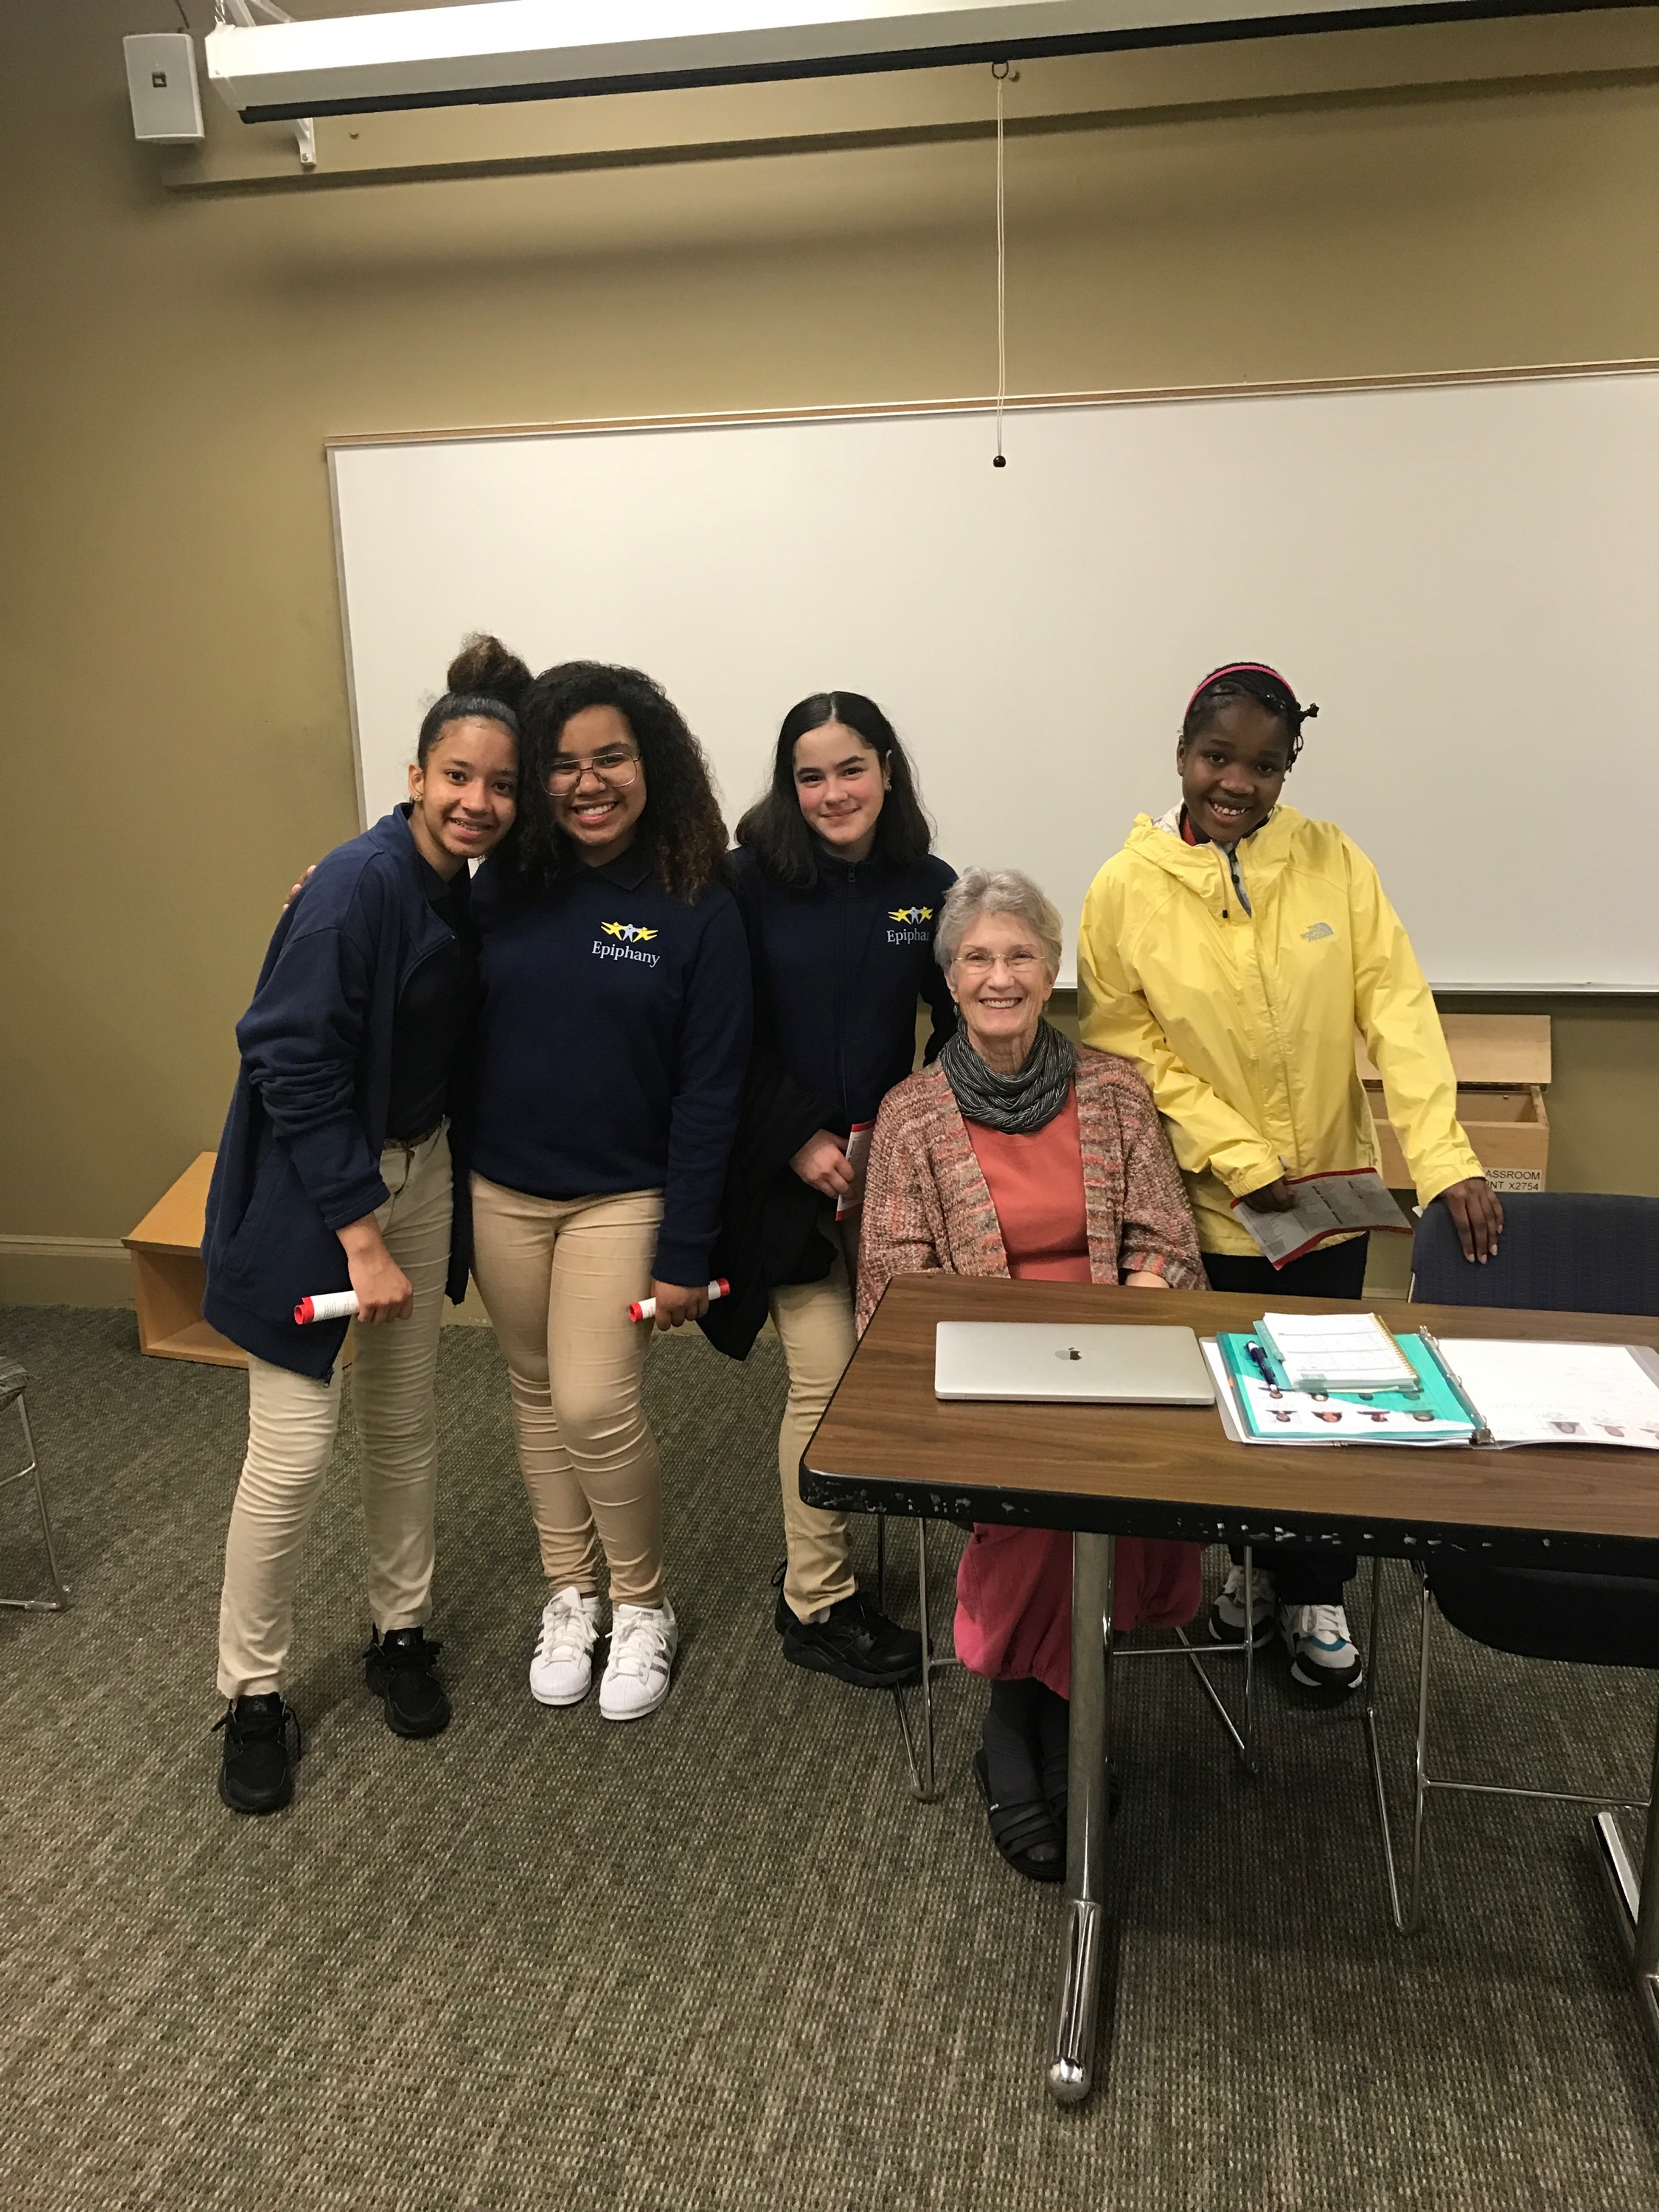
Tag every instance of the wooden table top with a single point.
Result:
(887, 1444)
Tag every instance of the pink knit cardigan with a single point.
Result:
(927, 1206)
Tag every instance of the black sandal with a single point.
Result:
(1054, 1726)
(1024, 1833)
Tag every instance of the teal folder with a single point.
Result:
(1435, 1413)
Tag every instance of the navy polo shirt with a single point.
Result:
(612, 1041)
(838, 971)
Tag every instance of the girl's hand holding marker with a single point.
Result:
(663, 1306)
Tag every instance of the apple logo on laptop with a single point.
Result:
(1068, 1352)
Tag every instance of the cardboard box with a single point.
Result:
(1501, 1063)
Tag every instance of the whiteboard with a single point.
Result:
(1465, 576)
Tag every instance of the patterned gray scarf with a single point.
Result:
(1015, 1105)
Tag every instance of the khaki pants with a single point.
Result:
(558, 1275)
(814, 1321)
(292, 1420)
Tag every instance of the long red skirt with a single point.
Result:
(1014, 1599)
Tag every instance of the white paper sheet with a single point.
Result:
(1558, 1394)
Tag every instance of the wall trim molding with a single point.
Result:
(60, 1248)
(1141, 396)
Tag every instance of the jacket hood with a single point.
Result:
(1262, 855)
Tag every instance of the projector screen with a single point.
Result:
(1464, 575)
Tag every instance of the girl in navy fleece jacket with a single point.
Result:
(612, 1043)
(334, 1172)
(840, 895)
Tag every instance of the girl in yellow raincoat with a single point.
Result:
(1230, 951)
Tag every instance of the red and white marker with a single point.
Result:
(646, 1308)
(327, 1305)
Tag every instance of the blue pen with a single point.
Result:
(1258, 1359)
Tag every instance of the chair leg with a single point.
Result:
(60, 1598)
(919, 1747)
(926, 1787)
(1420, 1771)
(881, 1563)
(1247, 1749)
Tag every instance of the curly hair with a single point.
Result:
(681, 833)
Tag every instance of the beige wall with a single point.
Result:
(175, 703)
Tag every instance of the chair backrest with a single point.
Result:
(1561, 1251)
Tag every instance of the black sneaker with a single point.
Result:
(398, 1667)
(256, 1774)
(855, 1643)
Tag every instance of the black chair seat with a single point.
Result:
(1599, 1621)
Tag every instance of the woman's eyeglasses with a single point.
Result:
(617, 769)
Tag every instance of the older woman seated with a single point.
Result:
(1021, 1154)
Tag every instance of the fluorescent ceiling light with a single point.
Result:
(504, 50)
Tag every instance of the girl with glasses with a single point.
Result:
(840, 895)
(612, 1042)
(1231, 950)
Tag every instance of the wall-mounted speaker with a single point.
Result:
(166, 102)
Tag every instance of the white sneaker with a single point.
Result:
(1323, 1655)
(643, 1641)
(561, 1666)
(1228, 1613)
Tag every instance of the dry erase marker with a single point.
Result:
(327, 1305)
(646, 1308)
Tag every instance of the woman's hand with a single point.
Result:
(1478, 1217)
(822, 1165)
(1144, 1280)
(678, 1302)
(383, 1292)
(1277, 1197)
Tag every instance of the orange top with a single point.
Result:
(1036, 1186)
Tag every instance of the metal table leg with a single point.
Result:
(1071, 2066)
(1638, 1902)
(1646, 1961)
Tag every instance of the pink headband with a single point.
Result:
(1239, 668)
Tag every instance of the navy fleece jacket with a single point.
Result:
(300, 1154)
(838, 970)
(612, 1044)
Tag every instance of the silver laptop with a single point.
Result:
(1097, 1366)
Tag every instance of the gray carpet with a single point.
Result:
(721, 1959)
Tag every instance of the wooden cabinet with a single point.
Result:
(168, 1277)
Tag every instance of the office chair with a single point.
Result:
(14, 1383)
(1570, 1253)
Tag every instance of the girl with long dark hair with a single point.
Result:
(840, 894)
(612, 1043)
(335, 1172)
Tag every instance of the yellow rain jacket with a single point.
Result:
(1244, 1023)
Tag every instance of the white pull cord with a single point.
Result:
(1000, 71)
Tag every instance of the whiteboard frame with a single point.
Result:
(852, 411)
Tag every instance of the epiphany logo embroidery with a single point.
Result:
(911, 916)
(1319, 929)
(627, 939)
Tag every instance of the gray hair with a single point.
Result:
(997, 890)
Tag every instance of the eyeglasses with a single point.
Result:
(978, 962)
(615, 766)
